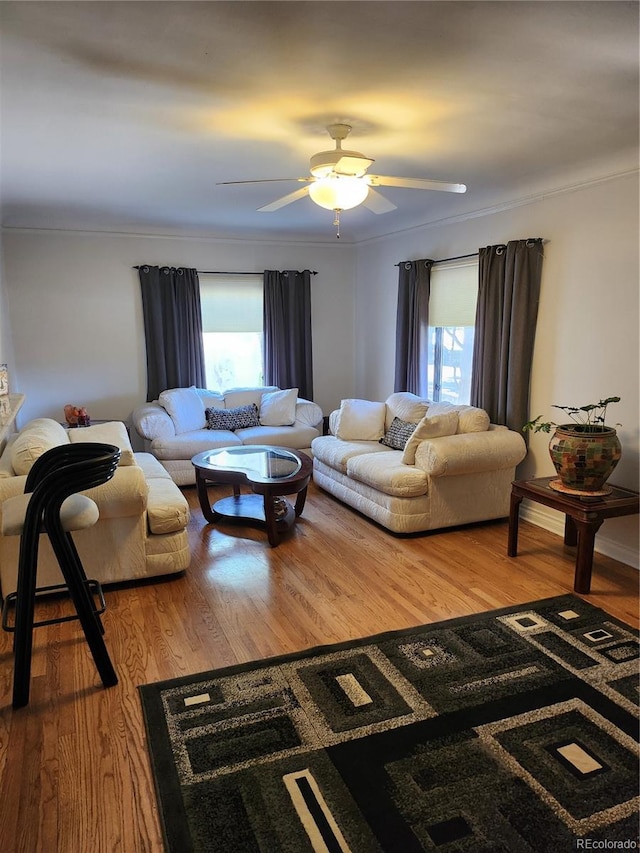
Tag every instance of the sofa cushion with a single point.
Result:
(245, 396)
(297, 436)
(113, 432)
(431, 426)
(278, 408)
(185, 407)
(406, 406)
(6, 465)
(36, 437)
(398, 434)
(335, 452)
(167, 508)
(211, 399)
(385, 472)
(239, 418)
(189, 443)
(361, 420)
(470, 418)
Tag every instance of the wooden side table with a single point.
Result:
(583, 519)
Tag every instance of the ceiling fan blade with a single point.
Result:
(377, 203)
(263, 181)
(353, 166)
(286, 199)
(415, 183)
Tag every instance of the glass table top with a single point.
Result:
(264, 464)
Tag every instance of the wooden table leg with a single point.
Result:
(203, 497)
(270, 521)
(300, 501)
(584, 558)
(570, 531)
(514, 517)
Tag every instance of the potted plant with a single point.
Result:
(585, 452)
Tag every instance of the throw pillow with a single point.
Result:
(239, 418)
(398, 434)
(361, 420)
(210, 399)
(113, 432)
(278, 408)
(406, 406)
(185, 408)
(429, 427)
(34, 439)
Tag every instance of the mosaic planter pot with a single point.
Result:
(584, 458)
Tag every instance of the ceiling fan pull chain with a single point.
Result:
(336, 222)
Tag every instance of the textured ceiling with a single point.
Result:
(123, 116)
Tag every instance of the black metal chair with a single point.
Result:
(51, 504)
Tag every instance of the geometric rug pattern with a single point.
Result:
(512, 730)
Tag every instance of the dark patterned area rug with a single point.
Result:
(513, 730)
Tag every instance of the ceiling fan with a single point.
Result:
(339, 181)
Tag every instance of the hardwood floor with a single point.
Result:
(74, 771)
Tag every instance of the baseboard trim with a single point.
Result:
(554, 523)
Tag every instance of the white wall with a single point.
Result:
(587, 331)
(76, 313)
(6, 346)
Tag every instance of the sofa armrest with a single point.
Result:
(152, 421)
(308, 414)
(471, 453)
(123, 496)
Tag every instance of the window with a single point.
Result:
(232, 330)
(452, 312)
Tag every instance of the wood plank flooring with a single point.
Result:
(74, 771)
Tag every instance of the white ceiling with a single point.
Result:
(123, 116)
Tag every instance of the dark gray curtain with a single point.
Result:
(508, 295)
(412, 326)
(172, 328)
(287, 330)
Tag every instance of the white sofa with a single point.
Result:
(174, 427)
(455, 468)
(141, 531)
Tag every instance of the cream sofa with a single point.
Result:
(174, 427)
(141, 531)
(451, 466)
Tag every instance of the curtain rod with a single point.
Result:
(228, 272)
(444, 260)
(473, 254)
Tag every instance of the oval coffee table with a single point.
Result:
(270, 472)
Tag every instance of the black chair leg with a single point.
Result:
(91, 624)
(25, 604)
(74, 559)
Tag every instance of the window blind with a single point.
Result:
(231, 303)
(454, 293)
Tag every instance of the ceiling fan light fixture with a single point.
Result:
(338, 192)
